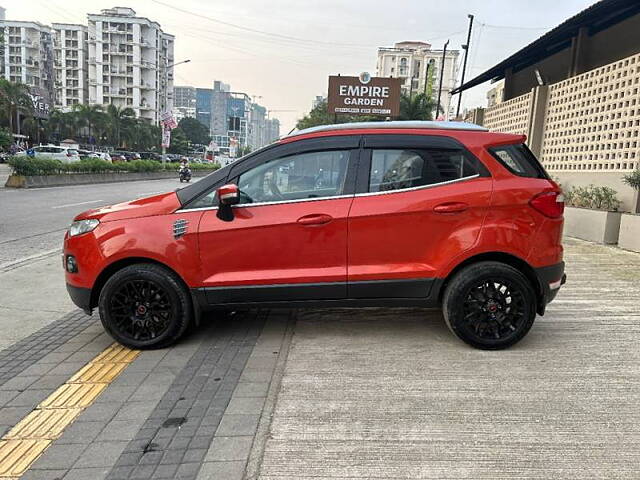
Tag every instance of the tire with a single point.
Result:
(180, 179)
(489, 305)
(145, 306)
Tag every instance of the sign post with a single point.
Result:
(364, 95)
(168, 123)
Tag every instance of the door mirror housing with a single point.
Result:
(228, 195)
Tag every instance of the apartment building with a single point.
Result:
(420, 66)
(130, 62)
(71, 55)
(26, 56)
(184, 102)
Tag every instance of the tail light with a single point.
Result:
(550, 204)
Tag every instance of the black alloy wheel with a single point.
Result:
(141, 310)
(489, 305)
(145, 306)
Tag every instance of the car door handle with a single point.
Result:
(451, 207)
(315, 219)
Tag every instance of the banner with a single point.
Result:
(166, 137)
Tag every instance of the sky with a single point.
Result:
(281, 52)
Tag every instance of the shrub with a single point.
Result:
(28, 166)
(598, 198)
(633, 179)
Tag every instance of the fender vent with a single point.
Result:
(180, 228)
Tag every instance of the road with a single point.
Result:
(33, 221)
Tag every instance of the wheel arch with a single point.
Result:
(502, 257)
(118, 265)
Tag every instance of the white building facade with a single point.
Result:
(27, 55)
(130, 63)
(71, 54)
(420, 66)
(184, 102)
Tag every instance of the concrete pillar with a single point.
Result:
(537, 118)
(579, 49)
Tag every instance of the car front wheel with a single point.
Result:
(145, 306)
(489, 305)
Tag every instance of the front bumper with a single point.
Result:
(550, 278)
(81, 297)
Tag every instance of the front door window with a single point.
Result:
(296, 177)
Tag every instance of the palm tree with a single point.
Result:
(14, 99)
(89, 115)
(416, 107)
(119, 119)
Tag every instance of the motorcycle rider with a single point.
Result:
(184, 170)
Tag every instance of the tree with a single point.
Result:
(5, 138)
(89, 115)
(195, 131)
(14, 99)
(118, 120)
(179, 141)
(416, 107)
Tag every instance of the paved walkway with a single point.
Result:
(392, 394)
(348, 394)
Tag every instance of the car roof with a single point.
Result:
(397, 124)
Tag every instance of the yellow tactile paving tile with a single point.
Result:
(43, 424)
(98, 373)
(34, 433)
(116, 354)
(73, 395)
(16, 456)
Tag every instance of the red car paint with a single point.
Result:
(425, 233)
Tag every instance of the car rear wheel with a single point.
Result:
(489, 305)
(145, 306)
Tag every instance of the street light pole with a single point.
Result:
(444, 54)
(464, 64)
(166, 101)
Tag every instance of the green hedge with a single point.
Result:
(27, 166)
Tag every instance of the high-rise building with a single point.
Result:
(273, 130)
(420, 67)
(184, 102)
(27, 56)
(70, 47)
(203, 106)
(130, 62)
(257, 126)
(219, 100)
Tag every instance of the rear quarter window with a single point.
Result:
(519, 160)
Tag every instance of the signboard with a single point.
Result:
(364, 95)
(233, 147)
(168, 121)
(41, 102)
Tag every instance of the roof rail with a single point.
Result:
(413, 124)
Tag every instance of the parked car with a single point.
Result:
(64, 154)
(421, 214)
(118, 157)
(101, 155)
(150, 156)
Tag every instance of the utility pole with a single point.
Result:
(464, 64)
(166, 101)
(426, 79)
(444, 54)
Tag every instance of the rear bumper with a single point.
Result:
(81, 297)
(550, 278)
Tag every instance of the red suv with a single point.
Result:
(387, 214)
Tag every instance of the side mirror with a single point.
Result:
(227, 195)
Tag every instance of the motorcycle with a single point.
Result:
(185, 174)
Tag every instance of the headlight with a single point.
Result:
(82, 226)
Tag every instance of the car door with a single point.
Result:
(420, 201)
(288, 237)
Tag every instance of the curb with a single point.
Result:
(40, 181)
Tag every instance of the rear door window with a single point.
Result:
(397, 169)
(519, 160)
